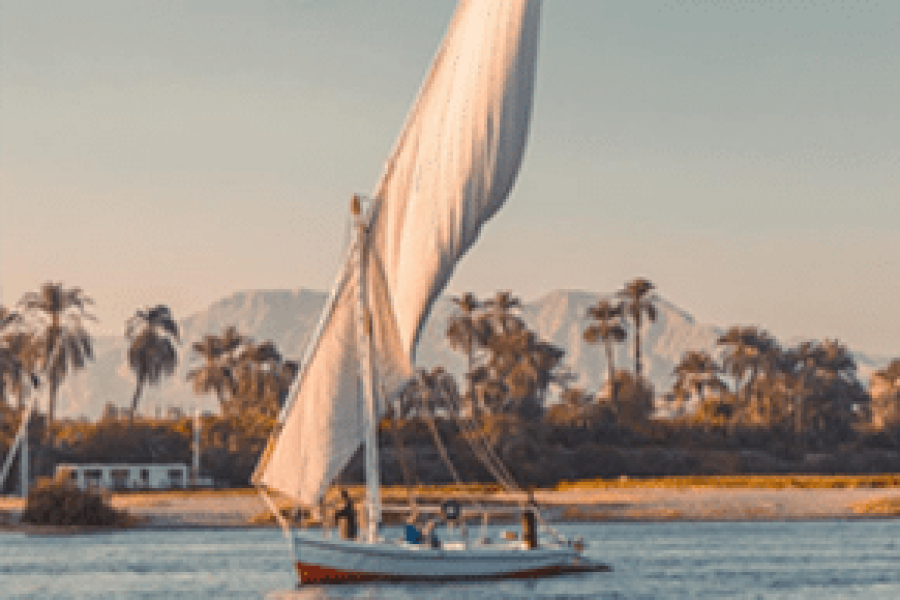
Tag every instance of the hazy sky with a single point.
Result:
(743, 155)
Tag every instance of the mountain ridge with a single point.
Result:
(289, 316)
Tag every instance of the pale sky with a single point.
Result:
(743, 155)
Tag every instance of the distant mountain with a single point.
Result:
(288, 317)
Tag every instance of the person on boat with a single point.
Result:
(429, 535)
(347, 513)
(412, 535)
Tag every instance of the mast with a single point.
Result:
(20, 444)
(25, 459)
(450, 171)
(364, 328)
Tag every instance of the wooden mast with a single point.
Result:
(364, 329)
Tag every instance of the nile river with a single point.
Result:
(812, 559)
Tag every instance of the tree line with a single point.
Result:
(753, 393)
(44, 339)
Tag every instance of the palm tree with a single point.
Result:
(698, 372)
(428, 394)
(575, 398)
(801, 363)
(606, 328)
(636, 398)
(527, 366)
(8, 318)
(466, 331)
(890, 374)
(10, 370)
(10, 366)
(750, 351)
(153, 335)
(637, 302)
(17, 348)
(63, 344)
(823, 386)
(262, 378)
(20, 345)
(886, 381)
(545, 360)
(885, 390)
(216, 374)
(231, 340)
(836, 361)
(500, 311)
(488, 391)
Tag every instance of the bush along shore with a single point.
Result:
(62, 505)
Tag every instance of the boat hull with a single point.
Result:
(327, 560)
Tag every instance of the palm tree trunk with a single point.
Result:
(54, 384)
(637, 348)
(751, 383)
(136, 398)
(469, 360)
(221, 398)
(51, 406)
(611, 374)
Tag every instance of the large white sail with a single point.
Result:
(451, 170)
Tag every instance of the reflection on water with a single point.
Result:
(828, 559)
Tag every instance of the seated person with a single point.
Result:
(429, 536)
(412, 535)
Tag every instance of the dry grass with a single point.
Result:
(739, 481)
(599, 513)
(176, 494)
(886, 505)
(164, 497)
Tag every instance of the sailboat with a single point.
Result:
(450, 170)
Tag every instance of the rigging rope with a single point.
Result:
(482, 449)
(442, 450)
(410, 478)
(495, 465)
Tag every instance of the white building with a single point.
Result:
(128, 477)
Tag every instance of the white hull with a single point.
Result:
(331, 560)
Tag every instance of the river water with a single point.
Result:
(813, 559)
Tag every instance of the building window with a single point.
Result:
(120, 478)
(93, 476)
(176, 477)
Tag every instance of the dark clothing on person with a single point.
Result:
(413, 535)
(348, 512)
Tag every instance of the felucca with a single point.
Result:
(451, 169)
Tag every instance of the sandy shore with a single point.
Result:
(710, 504)
(237, 508)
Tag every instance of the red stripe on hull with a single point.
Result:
(313, 574)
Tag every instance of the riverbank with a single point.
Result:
(244, 508)
(161, 510)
